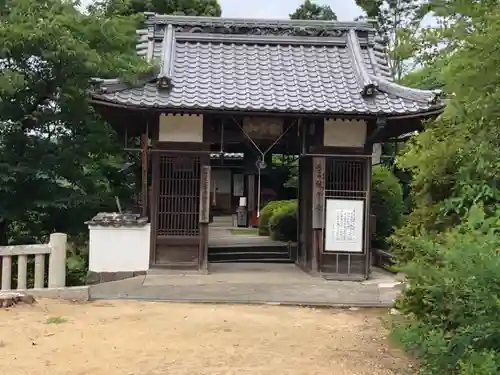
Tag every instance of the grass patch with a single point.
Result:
(56, 320)
(245, 232)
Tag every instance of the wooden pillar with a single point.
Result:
(251, 197)
(318, 209)
(144, 176)
(205, 182)
(154, 201)
(368, 219)
(305, 210)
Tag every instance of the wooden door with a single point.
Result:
(176, 226)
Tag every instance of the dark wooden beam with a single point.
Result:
(377, 131)
(145, 164)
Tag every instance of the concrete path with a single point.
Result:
(222, 237)
(254, 284)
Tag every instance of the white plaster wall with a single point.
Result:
(119, 249)
(344, 133)
(180, 128)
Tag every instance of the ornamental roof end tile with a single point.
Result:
(297, 66)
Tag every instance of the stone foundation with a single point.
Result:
(104, 277)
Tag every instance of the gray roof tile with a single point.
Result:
(269, 73)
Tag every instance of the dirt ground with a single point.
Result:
(147, 338)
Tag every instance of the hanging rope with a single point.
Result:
(262, 155)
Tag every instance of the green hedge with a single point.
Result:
(265, 216)
(387, 204)
(283, 222)
(278, 219)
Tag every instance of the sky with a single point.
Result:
(346, 10)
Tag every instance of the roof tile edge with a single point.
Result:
(432, 97)
(167, 60)
(368, 86)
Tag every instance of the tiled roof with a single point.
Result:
(114, 219)
(266, 66)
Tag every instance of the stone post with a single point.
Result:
(57, 260)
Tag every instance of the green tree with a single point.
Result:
(312, 11)
(386, 203)
(178, 7)
(449, 248)
(398, 22)
(427, 77)
(454, 162)
(56, 163)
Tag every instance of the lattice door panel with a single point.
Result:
(346, 178)
(179, 195)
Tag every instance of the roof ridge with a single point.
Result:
(155, 18)
(167, 59)
(364, 79)
(263, 39)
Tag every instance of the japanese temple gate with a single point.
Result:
(317, 89)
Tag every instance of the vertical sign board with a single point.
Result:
(318, 189)
(344, 225)
(205, 195)
(251, 192)
(238, 185)
(376, 153)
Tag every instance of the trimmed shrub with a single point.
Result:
(265, 216)
(283, 222)
(387, 204)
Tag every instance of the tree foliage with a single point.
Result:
(58, 160)
(427, 77)
(386, 203)
(398, 22)
(452, 301)
(177, 7)
(312, 11)
(454, 162)
(449, 247)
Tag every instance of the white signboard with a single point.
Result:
(344, 225)
(377, 153)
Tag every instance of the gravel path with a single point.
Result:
(147, 338)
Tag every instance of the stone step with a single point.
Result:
(249, 254)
